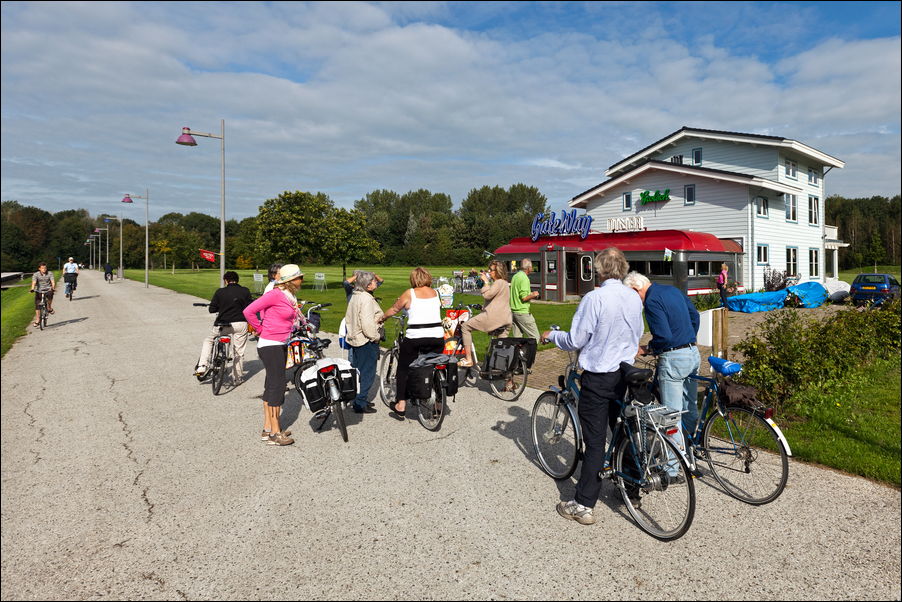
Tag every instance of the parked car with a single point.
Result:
(874, 288)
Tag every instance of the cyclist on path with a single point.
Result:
(42, 282)
(228, 303)
(606, 328)
(70, 273)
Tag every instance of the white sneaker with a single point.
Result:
(573, 510)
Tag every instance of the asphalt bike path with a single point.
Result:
(123, 477)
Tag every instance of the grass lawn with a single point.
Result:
(18, 311)
(205, 282)
(849, 275)
(856, 432)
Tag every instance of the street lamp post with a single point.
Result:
(98, 230)
(120, 245)
(186, 139)
(128, 199)
(90, 244)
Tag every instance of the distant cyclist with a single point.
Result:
(108, 272)
(229, 302)
(42, 282)
(70, 275)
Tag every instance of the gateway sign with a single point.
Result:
(568, 223)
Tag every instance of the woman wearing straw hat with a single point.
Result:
(279, 314)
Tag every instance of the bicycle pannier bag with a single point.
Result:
(743, 396)
(503, 352)
(350, 379)
(311, 390)
(451, 379)
(419, 382)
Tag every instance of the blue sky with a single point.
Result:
(346, 98)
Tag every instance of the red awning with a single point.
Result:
(649, 240)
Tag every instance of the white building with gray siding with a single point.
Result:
(766, 193)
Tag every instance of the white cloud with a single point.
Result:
(347, 98)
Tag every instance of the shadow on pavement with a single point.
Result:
(72, 321)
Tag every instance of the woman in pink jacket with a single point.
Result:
(280, 314)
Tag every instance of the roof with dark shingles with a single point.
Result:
(689, 129)
(668, 163)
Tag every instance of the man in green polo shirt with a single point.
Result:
(524, 325)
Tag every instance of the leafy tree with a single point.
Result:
(346, 240)
(491, 216)
(291, 227)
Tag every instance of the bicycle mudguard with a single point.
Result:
(780, 435)
(724, 367)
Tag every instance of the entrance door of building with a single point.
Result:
(571, 276)
(586, 274)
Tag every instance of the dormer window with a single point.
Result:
(696, 156)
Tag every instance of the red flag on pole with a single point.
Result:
(208, 255)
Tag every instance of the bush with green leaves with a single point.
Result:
(789, 353)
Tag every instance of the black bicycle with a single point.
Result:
(220, 356)
(44, 310)
(430, 396)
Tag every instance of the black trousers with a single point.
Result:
(274, 359)
(599, 407)
(410, 349)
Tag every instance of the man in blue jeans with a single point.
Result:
(673, 322)
(606, 329)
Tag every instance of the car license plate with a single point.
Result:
(869, 288)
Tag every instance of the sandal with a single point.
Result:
(465, 364)
(51, 311)
(35, 323)
(395, 413)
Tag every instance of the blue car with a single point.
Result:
(874, 288)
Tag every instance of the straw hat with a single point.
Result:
(289, 272)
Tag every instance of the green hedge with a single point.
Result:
(788, 353)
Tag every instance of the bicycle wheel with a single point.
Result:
(42, 322)
(511, 387)
(339, 413)
(746, 456)
(662, 499)
(554, 435)
(431, 412)
(219, 369)
(388, 376)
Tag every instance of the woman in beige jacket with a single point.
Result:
(497, 314)
(362, 321)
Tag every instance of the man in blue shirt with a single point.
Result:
(606, 328)
(673, 322)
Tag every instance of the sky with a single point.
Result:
(347, 98)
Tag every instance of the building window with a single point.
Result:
(763, 254)
(677, 159)
(792, 208)
(627, 201)
(813, 177)
(761, 206)
(696, 156)
(689, 194)
(814, 208)
(814, 263)
(792, 261)
(792, 169)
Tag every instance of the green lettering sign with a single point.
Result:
(658, 197)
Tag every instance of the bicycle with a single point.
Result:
(220, 356)
(71, 280)
(431, 410)
(307, 351)
(647, 468)
(506, 366)
(108, 276)
(44, 311)
(744, 448)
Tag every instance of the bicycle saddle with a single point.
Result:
(724, 367)
(635, 376)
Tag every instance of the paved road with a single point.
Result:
(124, 478)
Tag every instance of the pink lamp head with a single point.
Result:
(127, 199)
(186, 139)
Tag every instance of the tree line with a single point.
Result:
(871, 226)
(383, 228)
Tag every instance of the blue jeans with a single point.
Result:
(677, 390)
(364, 359)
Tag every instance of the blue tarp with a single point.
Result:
(753, 302)
(811, 294)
